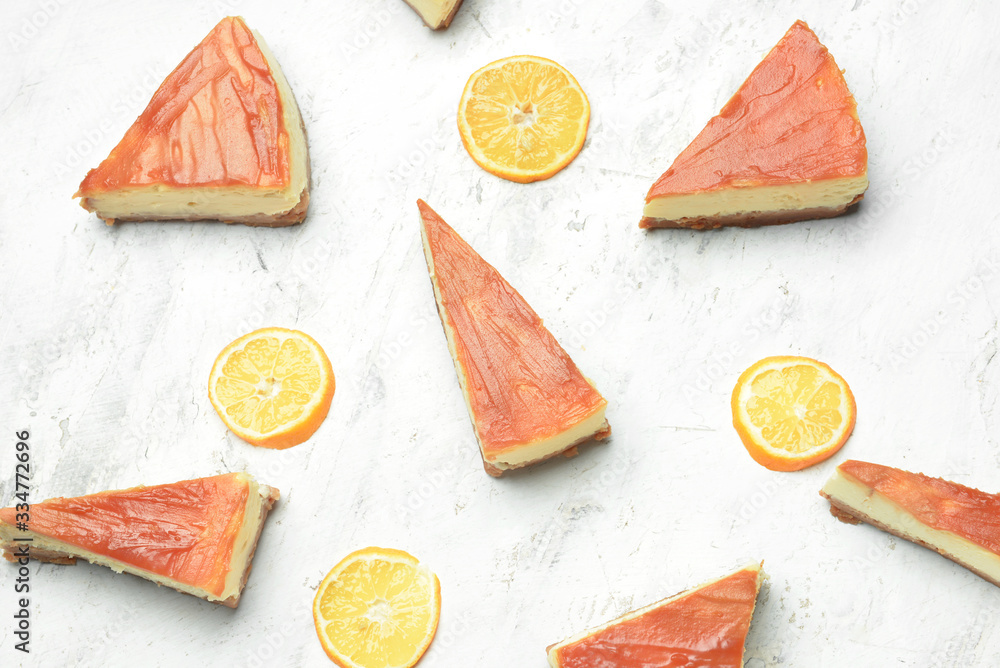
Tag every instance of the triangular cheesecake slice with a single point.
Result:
(196, 536)
(222, 139)
(959, 522)
(788, 146)
(437, 14)
(527, 399)
(704, 626)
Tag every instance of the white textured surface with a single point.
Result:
(108, 334)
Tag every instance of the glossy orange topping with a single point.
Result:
(706, 627)
(940, 504)
(183, 530)
(521, 384)
(792, 120)
(216, 120)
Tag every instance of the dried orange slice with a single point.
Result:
(792, 412)
(377, 608)
(272, 387)
(523, 118)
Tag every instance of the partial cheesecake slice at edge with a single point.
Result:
(526, 397)
(436, 14)
(958, 522)
(662, 624)
(212, 524)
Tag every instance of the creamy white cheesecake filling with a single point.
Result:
(226, 202)
(242, 549)
(828, 193)
(433, 12)
(855, 495)
(553, 651)
(527, 453)
(578, 433)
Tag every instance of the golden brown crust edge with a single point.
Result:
(750, 219)
(269, 496)
(846, 514)
(570, 450)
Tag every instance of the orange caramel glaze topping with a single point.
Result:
(521, 384)
(705, 628)
(793, 119)
(216, 120)
(940, 504)
(184, 531)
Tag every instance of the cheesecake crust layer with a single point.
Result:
(958, 522)
(293, 216)
(750, 219)
(571, 450)
(851, 516)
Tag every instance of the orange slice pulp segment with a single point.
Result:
(272, 387)
(377, 608)
(792, 412)
(523, 118)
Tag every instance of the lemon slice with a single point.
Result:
(792, 412)
(272, 387)
(377, 608)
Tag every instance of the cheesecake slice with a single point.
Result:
(527, 399)
(222, 139)
(196, 536)
(788, 146)
(437, 14)
(704, 626)
(959, 522)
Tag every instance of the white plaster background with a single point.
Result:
(108, 334)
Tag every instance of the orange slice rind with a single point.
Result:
(377, 608)
(523, 118)
(272, 387)
(792, 412)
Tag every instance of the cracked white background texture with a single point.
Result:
(107, 334)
